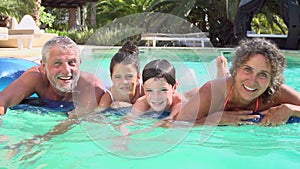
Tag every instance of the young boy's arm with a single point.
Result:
(139, 108)
(176, 105)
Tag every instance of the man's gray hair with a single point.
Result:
(61, 41)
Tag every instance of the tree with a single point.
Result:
(36, 11)
(108, 10)
(17, 8)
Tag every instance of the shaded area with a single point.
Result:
(65, 3)
(289, 12)
(244, 16)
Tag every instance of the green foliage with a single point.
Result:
(46, 18)
(268, 20)
(262, 24)
(61, 17)
(114, 35)
(80, 36)
(17, 8)
(108, 10)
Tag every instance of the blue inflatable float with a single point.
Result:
(12, 68)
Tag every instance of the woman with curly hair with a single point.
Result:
(253, 93)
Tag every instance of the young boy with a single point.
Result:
(160, 86)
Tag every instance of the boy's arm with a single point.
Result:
(139, 108)
(176, 106)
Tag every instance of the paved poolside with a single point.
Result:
(33, 54)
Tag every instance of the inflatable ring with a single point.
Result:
(13, 68)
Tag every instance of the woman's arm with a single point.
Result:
(279, 115)
(286, 104)
(228, 118)
(197, 106)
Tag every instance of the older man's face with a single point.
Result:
(63, 68)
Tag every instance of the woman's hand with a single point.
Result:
(230, 118)
(278, 115)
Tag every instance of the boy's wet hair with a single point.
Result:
(125, 58)
(160, 68)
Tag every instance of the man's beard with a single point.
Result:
(64, 89)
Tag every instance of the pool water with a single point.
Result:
(98, 143)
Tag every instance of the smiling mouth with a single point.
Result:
(158, 103)
(125, 88)
(65, 77)
(249, 88)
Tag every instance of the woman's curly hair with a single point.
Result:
(250, 47)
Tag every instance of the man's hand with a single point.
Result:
(2, 110)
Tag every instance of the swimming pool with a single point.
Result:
(99, 145)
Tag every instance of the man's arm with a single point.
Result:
(22, 87)
(90, 90)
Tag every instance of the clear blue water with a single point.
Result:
(97, 142)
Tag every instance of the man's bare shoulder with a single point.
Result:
(34, 74)
(35, 71)
(87, 76)
(88, 79)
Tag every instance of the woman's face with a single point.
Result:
(253, 78)
(124, 78)
(159, 93)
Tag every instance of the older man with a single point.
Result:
(58, 78)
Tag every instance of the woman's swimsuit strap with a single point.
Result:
(141, 89)
(111, 96)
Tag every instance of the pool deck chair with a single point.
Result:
(280, 40)
(25, 34)
(3, 33)
(22, 37)
(188, 39)
(253, 35)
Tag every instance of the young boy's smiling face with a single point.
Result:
(158, 93)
